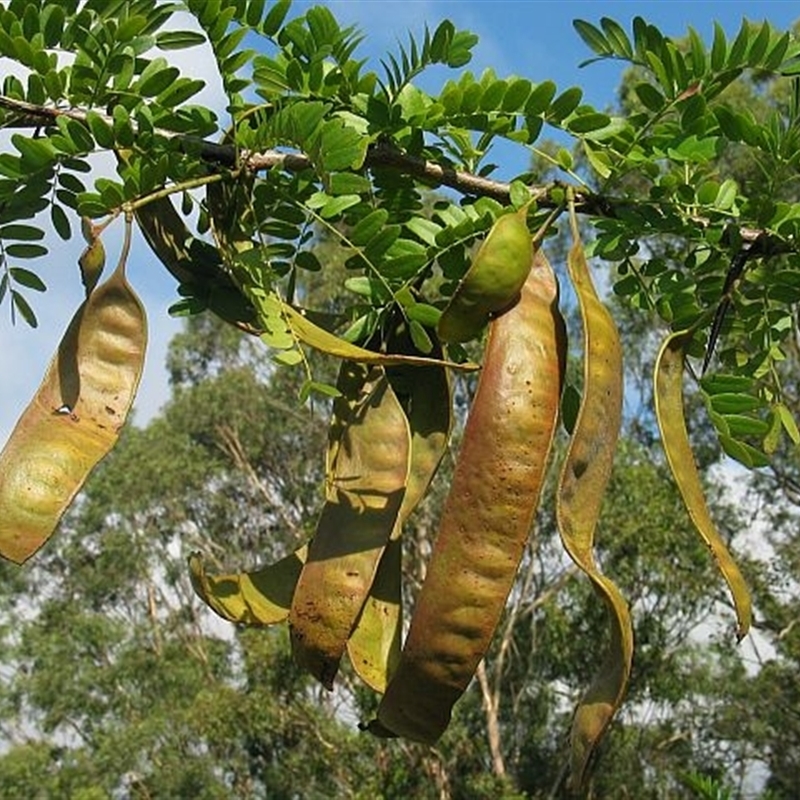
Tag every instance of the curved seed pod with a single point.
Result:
(487, 516)
(76, 415)
(582, 483)
(368, 461)
(261, 597)
(675, 438)
(493, 280)
(287, 322)
(374, 644)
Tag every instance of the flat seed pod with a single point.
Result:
(493, 280)
(261, 597)
(374, 644)
(76, 415)
(487, 516)
(675, 438)
(582, 484)
(368, 461)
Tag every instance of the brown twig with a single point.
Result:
(381, 154)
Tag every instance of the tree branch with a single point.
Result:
(381, 154)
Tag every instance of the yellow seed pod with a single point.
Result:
(492, 282)
(675, 439)
(75, 417)
(579, 496)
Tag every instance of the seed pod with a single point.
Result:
(584, 477)
(487, 516)
(76, 415)
(368, 459)
(261, 597)
(675, 438)
(493, 280)
(374, 644)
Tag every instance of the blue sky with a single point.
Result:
(530, 38)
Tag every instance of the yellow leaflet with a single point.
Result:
(675, 438)
(76, 416)
(367, 473)
(582, 484)
(374, 644)
(261, 597)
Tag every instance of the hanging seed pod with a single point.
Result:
(583, 481)
(76, 415)
(492, 282)
(374, 644)
(368, 461)
(487, 516)
(675, 438)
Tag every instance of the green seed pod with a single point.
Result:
(261, 597)
(76, 415)
(492, 282)
(487, 516)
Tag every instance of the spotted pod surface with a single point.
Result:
(493, 280)
(675, 439)
(374, 644)
(75, 417)
(368, 461)
(487, 516)
(579, 496)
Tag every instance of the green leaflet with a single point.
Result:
(675, 438)
(581, 487)
(368, 458)
(487, 516)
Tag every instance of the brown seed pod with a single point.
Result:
(487, 516)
